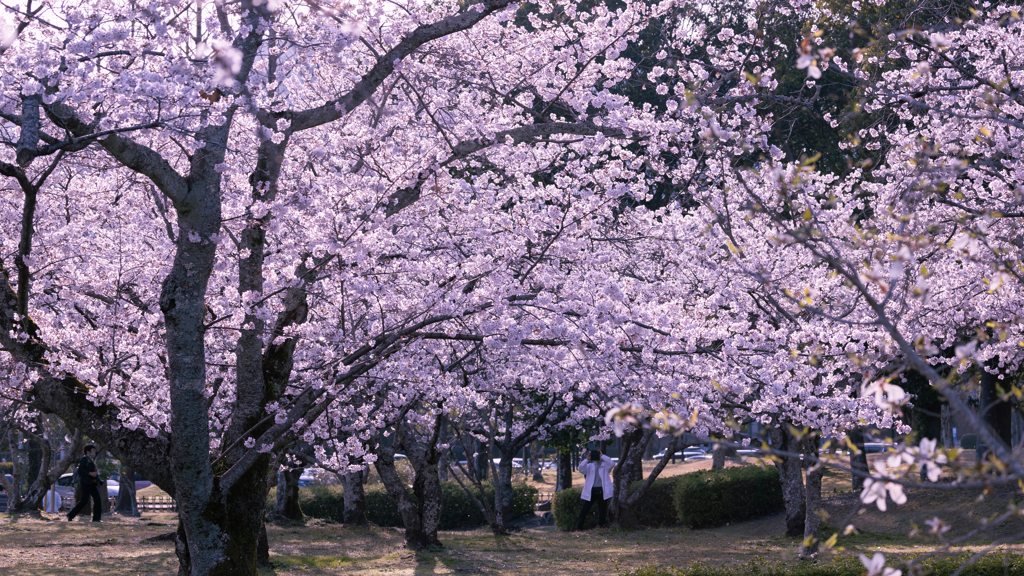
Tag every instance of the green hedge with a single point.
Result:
(6, 467)
(654, 509)
(458, 510)
(715, 497)
(991, 565)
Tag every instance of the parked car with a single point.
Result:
(872, 447)
(9, 479)
(690, 453)
(65, 488)
(140, 483)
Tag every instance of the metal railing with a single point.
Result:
(157, 503)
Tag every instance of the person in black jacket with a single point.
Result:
(88, 476)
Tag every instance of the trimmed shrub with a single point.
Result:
(457, 509)
(969, 441)
(6, 467)
(715, 497)
(654, 509)
(991, 565)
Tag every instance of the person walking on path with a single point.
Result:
(598, 486)
(88, 476)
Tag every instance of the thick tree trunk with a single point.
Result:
(355, 499)
(421, 517)
(286, 507)
(812, 521)
(858, 457)
(563, 474)
(235, 523)
(791, 475)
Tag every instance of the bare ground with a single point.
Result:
(46, 545)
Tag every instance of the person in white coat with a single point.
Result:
(598, 486)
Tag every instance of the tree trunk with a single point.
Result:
(355, 499)
(623, 503)
(858, 457)
(127, 505)
(420, 517)
(720, 453)
(993, 410)
(503, 492)
(791, 475)
(287, 507)
(482, 461)
(812, 522)
(536, 455)
(947, 427)
(231, 546)
(563, 474)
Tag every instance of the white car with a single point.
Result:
(691, 453)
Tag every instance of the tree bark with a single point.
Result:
(563, 477)
(995, 411)
(421, 513)
(286, 506)
(812, 522)
(45, 475)
(355, 499)
(623, 504)
(503, 491)
(482, 461)
(536, 455)
(127, 505)
(858, 457)
(791, 475)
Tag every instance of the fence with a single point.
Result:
(157, 504)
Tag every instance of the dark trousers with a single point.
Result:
(89, 491)
(596, 493)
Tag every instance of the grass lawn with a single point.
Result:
(47, 545)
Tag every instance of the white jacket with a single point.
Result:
(590, 470)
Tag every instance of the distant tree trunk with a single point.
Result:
(443, 468)
(126, 501)
(947, 427)
(791, 475)
(355, 499)
(720, 453)
(812, 522)
(536, 455)
(1016, 427)
(858, 457)
(287, 508)
(563, 474)
(482, 460)
(993, 410)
